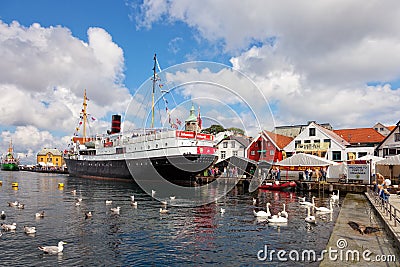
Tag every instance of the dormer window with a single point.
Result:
(311, 132)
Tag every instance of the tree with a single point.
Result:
(236, 130)
(213, 129)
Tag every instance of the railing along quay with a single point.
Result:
(385, 206)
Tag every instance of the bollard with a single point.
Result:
(60, 186)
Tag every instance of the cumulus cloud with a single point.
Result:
(312, 61)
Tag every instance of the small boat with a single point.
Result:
(278, 186)
(9, 162)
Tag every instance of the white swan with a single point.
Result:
(261, 213)
(283, 212)
(325, 209)
(254, 201)
(309, 218)
(307, 203)
(278, 219)
(132, 198)
(53, 249)
(335, 197)
(9, 227)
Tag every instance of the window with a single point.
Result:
(317, 141)
(41, 159)
(225, 144)
(296, 143)
(397, 137)
(233, 144)
(336, 155)
(311, 132)
(272, 152)
(307, 141)
(235, 153)
(223, 154)
(253, 153)
(56, 159)
(268, 143)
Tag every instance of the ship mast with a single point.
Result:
(152, 95)
(84, 116)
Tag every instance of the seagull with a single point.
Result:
(163, 211)
(2, 215)
(116, 210)
(366, 230)
(13, 204)
(53, 249)
(73, 192)
(222, 211)
(164, 91)
(77, 203)
(80, 199)
(88, 214)
(29, 230)
(172, 197)
(108, 202)
(39, 214)
(9, 227)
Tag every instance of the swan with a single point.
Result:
(278, 219)
(163, 211)
(309, 218)
(254, 201)
(325, 209)
(3, 215)
(39, 214)
(335, 197)
(261, 213)
(132, 198)
(306, 203)
(53, 249)
(283, 212)
(29, 230)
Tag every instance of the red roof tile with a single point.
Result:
(391, 128)
(280, 140)
(360, 135)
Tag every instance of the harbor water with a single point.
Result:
(141, 236)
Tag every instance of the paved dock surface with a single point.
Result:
(348, 242)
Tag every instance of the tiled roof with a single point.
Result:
(334, 136)
(391, 128)
(360, 135)
(280, 140)
(53, 151)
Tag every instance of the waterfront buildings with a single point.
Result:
(233, 145)
(50, 157)
(390, 146)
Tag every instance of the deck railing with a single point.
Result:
(385, 206)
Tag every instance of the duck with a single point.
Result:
(116, 210)
(163, 211)
(53, 249)
(222, 210)
(9, 227)
(310, 218)
(13, 204)
(88, 214)
(2, 215)
(307, 203)
(335, 197)
(325, 209)
(278, 219)
(108, 202)
(39, 214)
(29, 229)
(284, 212)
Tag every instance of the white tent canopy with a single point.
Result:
(371, 157)
(389, 167)
(393, 160)
(301, 159)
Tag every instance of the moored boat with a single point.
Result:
(9, 162)
(282, 186)
(150, 153)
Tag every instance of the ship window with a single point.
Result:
(156, 145)
(148, 147)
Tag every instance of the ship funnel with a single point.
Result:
(115, 124)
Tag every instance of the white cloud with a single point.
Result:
(312, 61)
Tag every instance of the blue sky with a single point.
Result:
(335, 62)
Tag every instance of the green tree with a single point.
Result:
(236, 130)
(213, 129)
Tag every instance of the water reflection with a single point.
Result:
(141, 236)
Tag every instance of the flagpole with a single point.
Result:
(84, 116)
(152, 96)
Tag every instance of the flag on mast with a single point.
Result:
(199, 119)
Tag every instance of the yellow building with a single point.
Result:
(50, 157)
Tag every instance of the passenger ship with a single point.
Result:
(168, 153)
